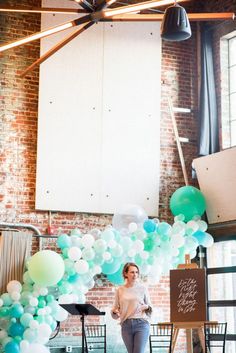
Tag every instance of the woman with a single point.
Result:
(133, 307)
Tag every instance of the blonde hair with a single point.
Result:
(126, 268)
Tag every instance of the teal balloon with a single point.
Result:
(116, 278)
(25, 298)
(4, 311)
(138, 260)
(64, 241)
(109, 268)
(6, 298)
(16, 329)
(188, 201)
(74, 278)
(12, 347)
(149, 226)
(149, 243)
(16, 310)
(163, 228)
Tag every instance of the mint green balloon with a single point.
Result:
(188, 201)
(46, 268)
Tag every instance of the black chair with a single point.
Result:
(215, 336)
(96, 337)
(160, 339)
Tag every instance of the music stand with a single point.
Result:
(82, 310)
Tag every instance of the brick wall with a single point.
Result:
(18, 136)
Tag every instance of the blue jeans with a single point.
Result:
(135, 333)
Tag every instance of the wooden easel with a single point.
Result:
(189, 326)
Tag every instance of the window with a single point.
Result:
(221, 286)
(228, 89)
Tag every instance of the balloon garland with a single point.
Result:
(29, 312)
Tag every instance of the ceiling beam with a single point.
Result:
(40, 10)
(159, 17)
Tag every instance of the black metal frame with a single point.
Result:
(161, 336)
(96, 337)
(215, 336)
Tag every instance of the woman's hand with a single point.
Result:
(144, 307)
(116, 312)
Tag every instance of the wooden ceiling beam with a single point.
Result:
(159, 17)
(41, 10)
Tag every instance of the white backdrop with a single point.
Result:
(99, 113)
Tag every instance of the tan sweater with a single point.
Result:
(129, 302)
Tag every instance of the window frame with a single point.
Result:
(226, 116)
(221, 233)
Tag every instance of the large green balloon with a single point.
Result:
(188, 201)
(46, 268)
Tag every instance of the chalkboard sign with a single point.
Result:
(187, 295)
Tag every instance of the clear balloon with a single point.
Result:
(128, 214)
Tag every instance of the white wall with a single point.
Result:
(99, 113)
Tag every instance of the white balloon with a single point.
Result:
(88, 254)
(144, 255)
(61, 314)
(14, 286)
(74, 253)
(131, 253)
(138, 245)
(97, 270)
(15, 296)
(108, 235)
(44, 329)
(112, 243)
(132, 227)
(106, 256)
(177, 240)
(48, 310)
(33, 301)
(81, 266)
(41, 311)
(1, 302)
(100, 246)
(75, 241)
(34, 324)
(117, 251)
(36, 348)
(43, 291)
(87, 240)
(126, 243)
(65, 299)
(193, 225)
(202, 225)
(24, 344)
(191, 243)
